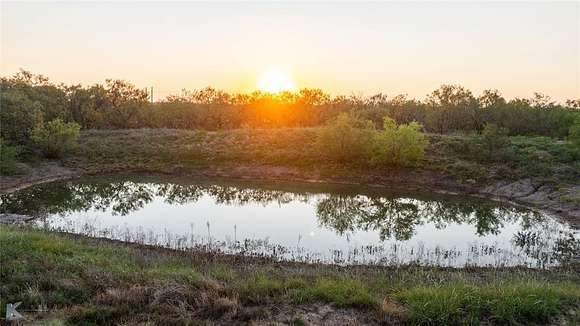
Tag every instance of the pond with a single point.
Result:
(311, 223)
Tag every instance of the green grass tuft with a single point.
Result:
(511, 303)
(342, 292)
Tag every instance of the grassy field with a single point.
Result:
(90, 281)
(453, 155)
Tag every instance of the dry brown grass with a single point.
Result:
(392, 312)
(136, 295)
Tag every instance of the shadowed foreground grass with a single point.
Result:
(89, 281)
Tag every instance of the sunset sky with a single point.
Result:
(343, 48)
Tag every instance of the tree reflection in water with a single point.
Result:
(391, 217)
(398, 217)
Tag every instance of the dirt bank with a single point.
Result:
(560, 201)
(46, 172)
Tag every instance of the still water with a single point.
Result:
(306, 223)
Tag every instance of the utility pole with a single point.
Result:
(151, 96)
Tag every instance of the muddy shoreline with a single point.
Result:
(524, 193)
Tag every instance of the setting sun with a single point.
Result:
(275, 81)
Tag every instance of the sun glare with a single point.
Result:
(274, 81)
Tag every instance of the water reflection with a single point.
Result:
(124, 197)
(398, 217)
(407, 230)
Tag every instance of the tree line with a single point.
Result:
(36, 114)
(27, 98)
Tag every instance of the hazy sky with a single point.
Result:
(343, 48)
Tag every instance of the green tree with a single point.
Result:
(18, 115)
(574, 134)
(7, 158)
(122, 103)
(346, 139)
(453, 107)
(56, 137)
(574, 138)
(399, 145)
(494, 141)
